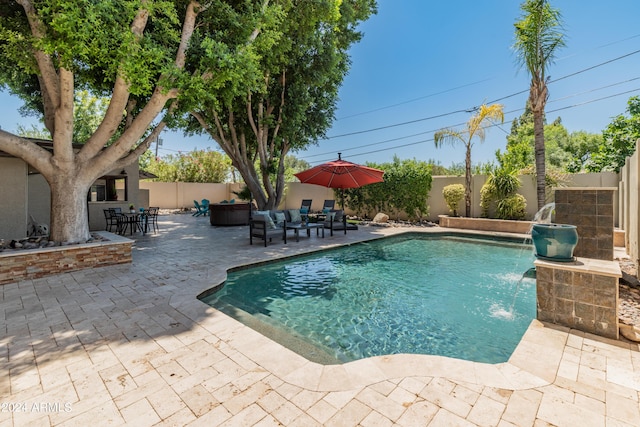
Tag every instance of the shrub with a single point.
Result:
(512, 207)
(500, 188)
(453, 195)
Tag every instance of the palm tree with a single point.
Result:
(538, 36)
(475, 127)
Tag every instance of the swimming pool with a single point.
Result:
(422, 294)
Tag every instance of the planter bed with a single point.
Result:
(486, 224)
(16, 265)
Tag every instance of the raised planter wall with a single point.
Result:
(36, 263)
(486, 224)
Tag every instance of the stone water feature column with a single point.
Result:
(583, 294)
(591, 211)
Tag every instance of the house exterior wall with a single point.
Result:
(13, 198)
(39, 201)
(23, 194)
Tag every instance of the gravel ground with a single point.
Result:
(629, 307)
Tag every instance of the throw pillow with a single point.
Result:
(338, 216)
(270, 223)
(280, 218)
(304, 211)
(295, 215)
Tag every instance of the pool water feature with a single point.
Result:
(445, 295)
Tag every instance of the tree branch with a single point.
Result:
(33, 154)
(48, 76)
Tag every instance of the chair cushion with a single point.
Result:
(270, 223)
(280, 218)
(335, 216)
(295, 215)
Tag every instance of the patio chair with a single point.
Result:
(205, 205)
(151, 218)
(200, 210)
(305, 207)
(328, 206)
(111, 219)
(337, 220)
(261, 225)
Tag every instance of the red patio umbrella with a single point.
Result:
(340, 174)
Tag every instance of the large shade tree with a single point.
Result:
(132, 51)
(475, 128)
(294, 101)
(538, 36)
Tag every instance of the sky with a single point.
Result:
(423, 65)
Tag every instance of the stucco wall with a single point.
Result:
(176, 195)
(179, 195)
(39, 201)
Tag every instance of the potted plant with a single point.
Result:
(132, 208)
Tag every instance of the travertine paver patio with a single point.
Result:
(132, 345)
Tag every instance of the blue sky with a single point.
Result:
(419, 59)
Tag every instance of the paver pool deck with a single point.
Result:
(131, 345)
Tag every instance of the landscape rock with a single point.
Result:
(380, 218)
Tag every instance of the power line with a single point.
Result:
(413, 100)
(460, 124)
(472, 108)
(489, 126)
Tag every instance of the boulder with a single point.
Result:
(380, 218)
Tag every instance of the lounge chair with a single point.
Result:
(200, 209)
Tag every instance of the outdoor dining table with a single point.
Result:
(137, 220)
(296, 227)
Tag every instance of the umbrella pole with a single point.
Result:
(344, 212)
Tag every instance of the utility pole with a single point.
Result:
(158, 144)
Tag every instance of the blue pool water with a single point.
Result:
(451, 296)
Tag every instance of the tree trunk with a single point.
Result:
(538, 132)
(69, 214)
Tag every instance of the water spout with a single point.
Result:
(543, 216)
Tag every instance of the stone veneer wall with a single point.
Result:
(33, 264)
(582, 295)
(591, 210)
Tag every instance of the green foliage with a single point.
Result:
(244, 194)
(289, 93)
(88, 112)
(512, 207)
(405, 188)
(500, 189)
(619, 140)
(563, 151)
(34, 132)
(293, 165)
(453, 195)
(195, 166)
